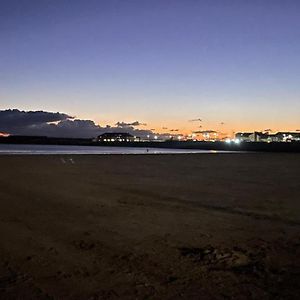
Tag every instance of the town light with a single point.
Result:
(4, 134)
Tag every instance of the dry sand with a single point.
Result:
(208, 226)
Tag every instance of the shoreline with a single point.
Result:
(288, 147)
(14, 149)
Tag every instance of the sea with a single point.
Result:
(17, 149)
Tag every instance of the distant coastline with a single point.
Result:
(200, 145)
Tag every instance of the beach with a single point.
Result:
(173, 226)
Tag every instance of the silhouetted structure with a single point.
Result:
(116, 137)
(243, 136)
(268, 137)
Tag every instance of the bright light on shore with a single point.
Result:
(4, 134)
(228, 141)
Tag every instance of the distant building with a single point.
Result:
(268, 137)
(259, 137)
(252, 136)
(204, 135)
(116, 137)
(287, 136)
(243, 136)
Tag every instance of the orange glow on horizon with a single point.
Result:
(223, 129)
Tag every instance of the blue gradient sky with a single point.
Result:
(157, 61)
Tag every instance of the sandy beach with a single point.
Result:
(189, 226)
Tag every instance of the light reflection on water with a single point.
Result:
(57, 149)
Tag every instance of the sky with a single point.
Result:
(158, 62)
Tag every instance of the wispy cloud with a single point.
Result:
(195, 120)
(134, 124)
(204, 131)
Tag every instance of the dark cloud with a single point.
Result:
(195, 120)
(205, 131)
(14, 118)
(133, 124)
(172, 130)
(42, 123)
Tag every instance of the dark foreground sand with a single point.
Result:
(208, 226)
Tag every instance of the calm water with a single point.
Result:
(54, 149)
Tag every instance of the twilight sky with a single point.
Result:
(161, 62)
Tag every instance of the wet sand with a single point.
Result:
(200, 226)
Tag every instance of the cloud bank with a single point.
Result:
(43, 123)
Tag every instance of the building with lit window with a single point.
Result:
(268, 137)
(243, 136)
(116, 137)
(285, 137)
